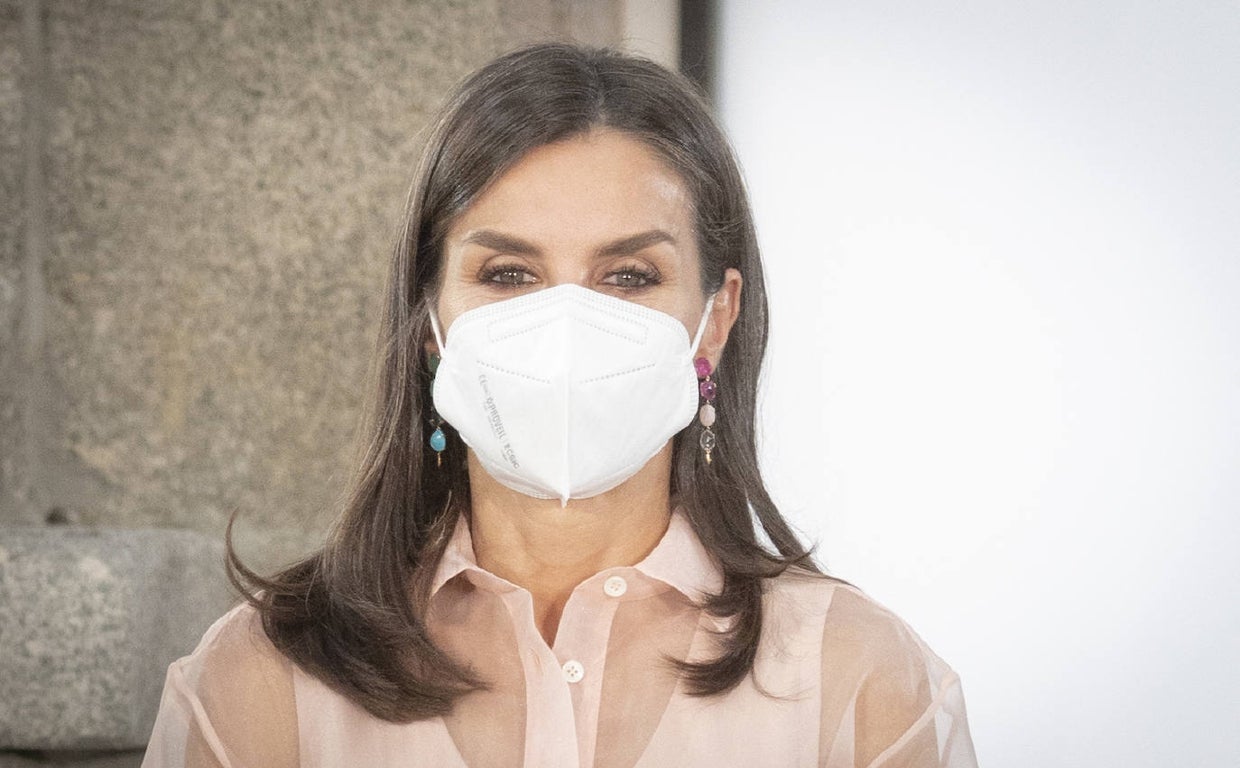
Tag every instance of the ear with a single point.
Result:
(723, 313)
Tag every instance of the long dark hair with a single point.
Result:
(352, 614)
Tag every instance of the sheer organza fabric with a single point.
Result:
(839, 682)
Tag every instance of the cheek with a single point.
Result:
(446, 308)
(456, 296)
(690, 311)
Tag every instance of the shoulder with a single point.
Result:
(860, 626)
(858, 646)
(236, 652)
(886, 688)
(820, 628)
(885, 697)
(231, 700)
(845, 617)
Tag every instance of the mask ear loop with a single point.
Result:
(701, 330)
(435, 330)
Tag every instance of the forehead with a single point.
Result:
(596, 185)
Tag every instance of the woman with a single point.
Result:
(550, 554)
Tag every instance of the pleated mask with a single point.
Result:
(565, 393)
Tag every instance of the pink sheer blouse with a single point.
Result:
(839, 681)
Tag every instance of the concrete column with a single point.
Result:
(197, 202)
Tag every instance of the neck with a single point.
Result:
(549, 549)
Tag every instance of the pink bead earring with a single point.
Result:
(706, 414)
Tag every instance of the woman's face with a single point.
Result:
(600, 210)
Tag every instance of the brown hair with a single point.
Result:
(352, 613)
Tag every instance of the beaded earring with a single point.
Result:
(438, 441)
(706, 414)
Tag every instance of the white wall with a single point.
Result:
(1003, 242)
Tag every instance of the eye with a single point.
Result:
(507, 275)
(632, 277)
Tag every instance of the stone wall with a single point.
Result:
(198, 200)
(197, 203)
(89, 620)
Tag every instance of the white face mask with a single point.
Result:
(566, 392)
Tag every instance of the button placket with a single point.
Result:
(581, 647)
(548, 700)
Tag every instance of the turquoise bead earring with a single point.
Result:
(438, 441)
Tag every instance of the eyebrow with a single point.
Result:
(634, 243)
(489, 238)
(498, 241)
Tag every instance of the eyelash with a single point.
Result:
(647, 277)
(495, 275)
(512, 276)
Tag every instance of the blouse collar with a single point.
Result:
(679, 560)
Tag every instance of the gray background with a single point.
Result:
(186, 332)
(197, 205)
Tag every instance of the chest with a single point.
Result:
(604, 695)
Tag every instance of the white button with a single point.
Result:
(573, 671)
(615, 586)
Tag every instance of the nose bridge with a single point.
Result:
(568, 272)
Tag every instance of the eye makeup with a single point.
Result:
(633, 277)
(506, 275)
